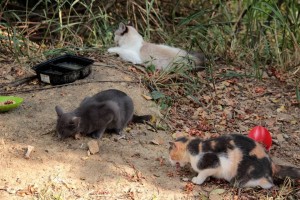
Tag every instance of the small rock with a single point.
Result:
(286, 136)
(265, 75)
(28, 152)
(77, 136)
(185, 179)
(93, 146)
(2, 141)
(9, 77)
(275, 142)
(154, 142)
(280, 138)
(84, 158)
(119, 137)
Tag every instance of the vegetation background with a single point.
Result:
(258, 33)
(253, 34)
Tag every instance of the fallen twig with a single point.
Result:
(63, 85)
(19, 81)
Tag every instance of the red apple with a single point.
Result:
(261, 135)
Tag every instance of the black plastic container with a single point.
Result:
(63, 69)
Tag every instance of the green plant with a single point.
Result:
(298, 93)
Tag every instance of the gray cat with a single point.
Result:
(107, 110)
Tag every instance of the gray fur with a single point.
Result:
(110, 109)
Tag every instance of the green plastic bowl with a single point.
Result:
(4, 108)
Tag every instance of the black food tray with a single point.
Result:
(63, 69)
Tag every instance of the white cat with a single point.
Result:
(131, 47)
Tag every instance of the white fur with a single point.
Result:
(223, 171)
(132, 48)
(203, 174)
(126, 54)
(173, 163)
(254, 183)
(129, 45)
(226, 170)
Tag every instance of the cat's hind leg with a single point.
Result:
(262, 182)
(97, 134)
(119, 131)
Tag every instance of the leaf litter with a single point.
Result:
(236, 105)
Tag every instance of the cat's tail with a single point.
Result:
(281, 171)
(142, 118)
(199, 59)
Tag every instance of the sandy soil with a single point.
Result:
(133, 167)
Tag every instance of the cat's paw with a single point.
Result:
(173, 163)
(182, 164)
(197, 180)
(95, 135)
(77, 136)
(112, 50)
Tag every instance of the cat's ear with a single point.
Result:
(130, 23)
(173, 145)
(59, 111)
(122, 28)
(75, 121)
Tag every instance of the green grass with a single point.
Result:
(253, 34)
(262, 32)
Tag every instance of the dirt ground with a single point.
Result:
(135, 167)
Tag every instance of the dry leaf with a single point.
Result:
(147, 97)
(189, 187)
(156, 141)
(259, 90)
(179, 134)
(216, 194)
(281, 109)
(274, 100)
(127, 78)
(29, 150)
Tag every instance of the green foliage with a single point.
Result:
(298, 93)
(255, 32)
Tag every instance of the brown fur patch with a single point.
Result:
(213, 144)
(258, 151)
(232, 142)
(264, 182)
(236, 157)
(178, 151)
(251, 168)
(274, 169)
(200, 147)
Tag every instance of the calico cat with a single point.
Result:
(107, 110)
(131, 47)
(236, 158)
